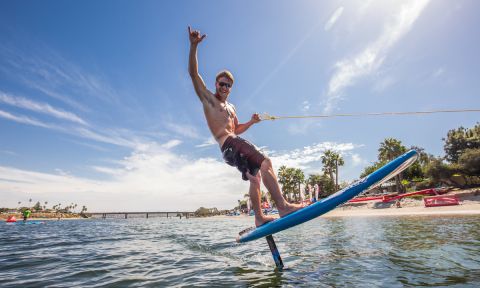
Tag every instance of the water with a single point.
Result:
(336, 252)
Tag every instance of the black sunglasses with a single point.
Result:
(223, 84)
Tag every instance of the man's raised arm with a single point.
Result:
(197, 80)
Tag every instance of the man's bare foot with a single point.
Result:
(289, 208)
(263, 219)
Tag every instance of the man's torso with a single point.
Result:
(220, 119)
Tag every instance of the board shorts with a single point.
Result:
(242, 154)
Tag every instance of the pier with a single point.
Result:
(147, 215)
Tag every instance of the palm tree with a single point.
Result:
(290, 179)
(389, 149)
(338, 160)
(331, 160)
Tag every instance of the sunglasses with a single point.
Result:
(223, 84)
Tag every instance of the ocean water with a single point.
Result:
(422, 251)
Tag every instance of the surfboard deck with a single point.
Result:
(325, 205)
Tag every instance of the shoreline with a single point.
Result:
(469, 205)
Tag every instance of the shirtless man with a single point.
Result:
(223, 123)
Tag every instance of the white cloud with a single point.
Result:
(110, 136)
(309, 158)
(183, 130)
(40, 107)
(368, 61)
(153, 178)
(172, 143)
(209, 142)
(306, 106)
(357, 160)
(333, 19)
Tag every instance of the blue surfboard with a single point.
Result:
(323, 206)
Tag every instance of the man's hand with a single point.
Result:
(195, 36)
(255, 118)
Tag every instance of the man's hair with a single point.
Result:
(225, 73)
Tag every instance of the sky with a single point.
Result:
(97, 106)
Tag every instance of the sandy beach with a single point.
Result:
(469, 205)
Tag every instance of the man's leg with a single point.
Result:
(254, 193)
(270, 181)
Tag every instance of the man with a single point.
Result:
(223, 123)
(26, 214)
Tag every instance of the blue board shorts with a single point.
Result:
(242, 154)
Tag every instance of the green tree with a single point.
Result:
(338, 160)
(326, 185)
(370, 169)
(460, 139)
(440, 172)
(328, 163)
(469, 162)
(390, 149)
(38, 206)
(290, 179)
(416, 171)
(202, 212)
(331, 160)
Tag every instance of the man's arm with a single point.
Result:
(198, 84)
(240, 128)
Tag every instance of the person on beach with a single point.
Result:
(223, 123)
(26, 214)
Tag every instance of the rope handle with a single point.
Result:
(266, 116)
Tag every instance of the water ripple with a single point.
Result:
(157, 252)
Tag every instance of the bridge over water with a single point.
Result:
(126, 215)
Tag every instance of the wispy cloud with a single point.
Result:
(8, 152)
(349, 70)
(438, 73)
(50, 73)
(40, 108)
(183, 130)
(209, 142)
(334, 18)
(26, 120)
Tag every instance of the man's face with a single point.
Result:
(223, 87)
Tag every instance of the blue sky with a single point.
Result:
(97, 107)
